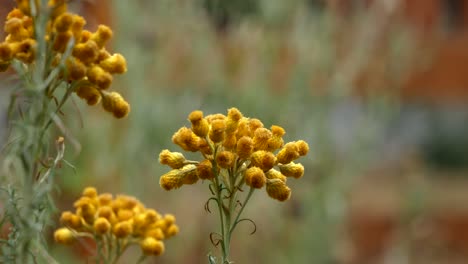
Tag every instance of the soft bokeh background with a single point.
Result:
(379, 90)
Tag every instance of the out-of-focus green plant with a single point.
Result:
(53, 57)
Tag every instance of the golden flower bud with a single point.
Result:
(200, 125)
(88, 93)
(263, 159)
(171, 231)
(115, 64)
(225, 159)
(244, 147)
(101, 226)
(189, 174)
(186, 139)
(63, 236)
(70, 220)
(86, 52)
(122, 229)
(255, 124)
(76, 69)
(151, 246)
(104, 199)
(276, 141)
(232, 121)
(274, 174)
(98, 76)
(288, 153)
(113, 102)
(6, 53)
(63, 22)
(171, 180)
(90, 192)
(124, 214)
(217, 130)
(61, 41)
(243, 128)
(175, 160)
(292, 169)
(261, 137)
(205, 147)
(205, 170)
(255, 178)
(302, 147)
(77, 27)
(278, 190)
(169, 219)
(155, 233)
(230, 141)
(102, 35)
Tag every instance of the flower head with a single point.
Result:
(236, 150)
(122, 219)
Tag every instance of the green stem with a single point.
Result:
(241, 210)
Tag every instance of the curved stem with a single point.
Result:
(241, 210)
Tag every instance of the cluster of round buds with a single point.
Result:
(123, 220)
(90, 65)
(236, 145)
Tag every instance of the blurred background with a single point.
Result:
(378, 88)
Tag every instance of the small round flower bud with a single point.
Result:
(121, 109)
(122, 229)
(255, 124)
(230, 141)
(217, 130)
(76, 69)
(171, 180)
(101, 225)
(115, 64)
(186, 139)
(205, 170)
(63, 236)
(233, 117)
(261, 137)
(255, 178)
(263, 159)
(276, 141)
(90, 192)
(151, 246)
(244, 147)
(70, 220)
(200, 125)
(205, 147)
(124, 214)
(63, 22)
(243, 128)
(173, 159)
(189, 174)
(6, 54)
(292, 169)
(104, 199)
(86, 52)
(172, 230)
(288, 153)
(155, 233)
(98, 76)
(77, 27)
(225, 159)
(302, 147)
(274, 174)
(102, 35)
(278, 190)
(89, 93)
(169, 219)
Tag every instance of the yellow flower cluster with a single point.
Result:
(90, 63)
(237, 147)
(123, 220)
